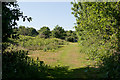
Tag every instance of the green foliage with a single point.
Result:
(9, 18)
(36, 43)
(15, 63)
(71, 36)
(98, 27)
(32, 32)
(44, 32)
(58, 32)
(26, 31)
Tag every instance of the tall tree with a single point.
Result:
(27, 31)
(10, 14)
(58, 32)
(32, 32)
(44, 32)
(98, 27)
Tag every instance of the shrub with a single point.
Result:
(36, 43)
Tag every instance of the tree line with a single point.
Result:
(45, 32)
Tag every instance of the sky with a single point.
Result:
(48, 14)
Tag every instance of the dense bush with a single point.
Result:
(36, 43)
(16, 64)
(98, 30)
(71, 36)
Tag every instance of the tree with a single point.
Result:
(22, 30)
(15, 30)
(32, 32)
(15, 34)
(27, 31)
(98, 27)
(58, 32)
(44, 32)
(10, 14)
(71, 36)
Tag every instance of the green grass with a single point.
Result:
(77, 64)
(68, 55)
(64, 62)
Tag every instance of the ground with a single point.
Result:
(69, 56)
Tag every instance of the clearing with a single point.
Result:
(69, 55)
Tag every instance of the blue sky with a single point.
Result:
(48, 14)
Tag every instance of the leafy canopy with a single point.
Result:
(58, 32)
(10, 14)
(44, 32)
(98, 30)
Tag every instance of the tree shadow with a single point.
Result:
(60, 46)
(6, 44)
(79, 73)
(16, 64)
(111, 66)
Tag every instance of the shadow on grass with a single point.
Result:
(60, 46)
(6, 44)
(16, 64)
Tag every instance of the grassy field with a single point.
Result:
(66, 61)
(69, 56)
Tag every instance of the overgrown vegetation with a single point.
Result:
(9, 18)
(19, 65)
(98, 30)
(44, 32)
(36, 43)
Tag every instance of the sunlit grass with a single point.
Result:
(68, 55)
